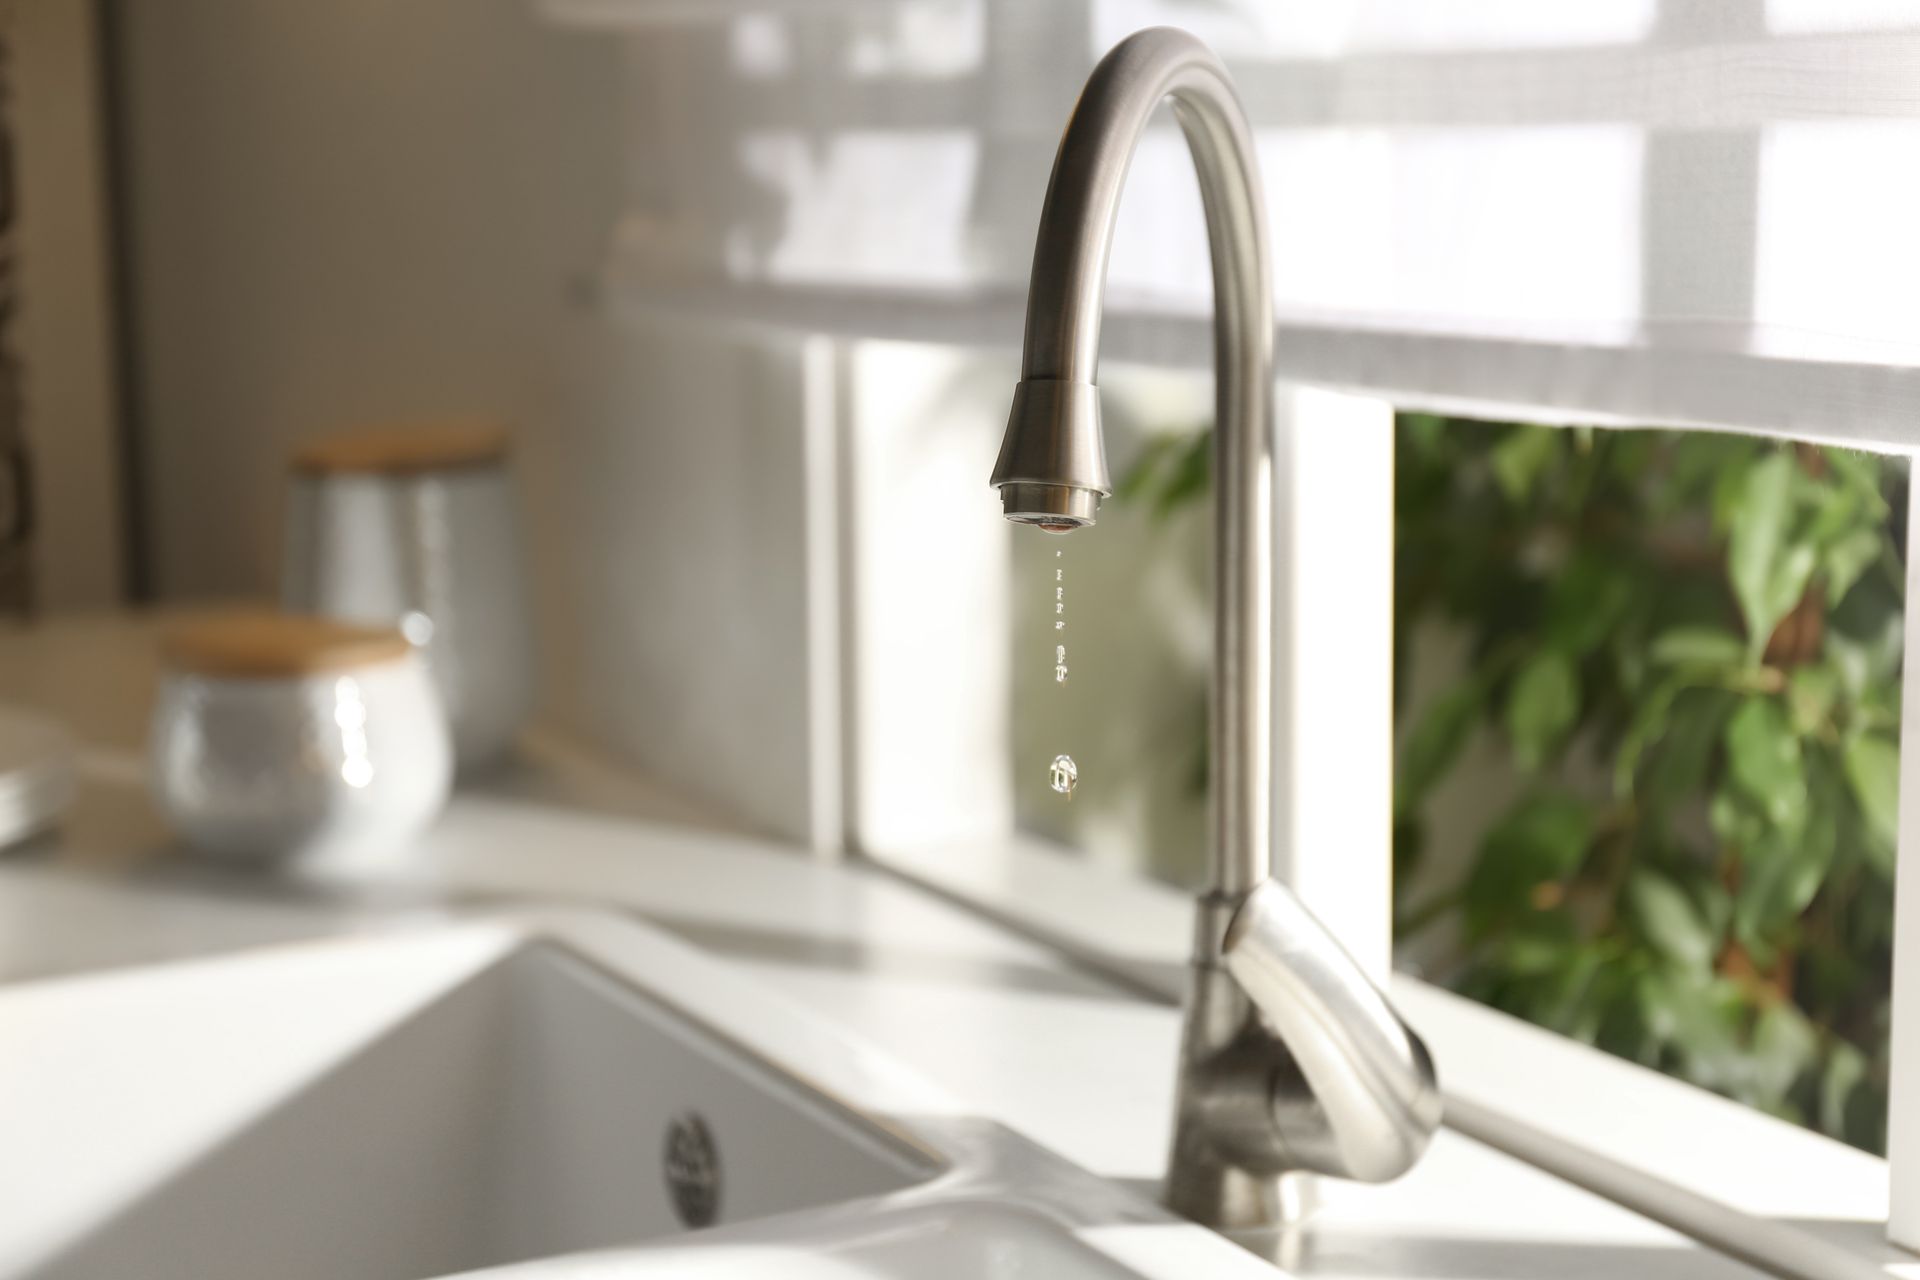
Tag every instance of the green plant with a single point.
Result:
(1683, 658)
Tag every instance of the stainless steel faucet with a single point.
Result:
(1292, 1061)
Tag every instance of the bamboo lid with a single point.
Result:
(403, 449)
(259, 644)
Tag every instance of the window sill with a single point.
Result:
(1753, 379)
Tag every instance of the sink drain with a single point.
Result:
(692, 1167)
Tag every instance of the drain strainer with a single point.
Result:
(692, 1166)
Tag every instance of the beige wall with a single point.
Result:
(364, 210)
(342, 212)
(63, 335)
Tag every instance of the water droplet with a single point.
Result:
(1064, 775)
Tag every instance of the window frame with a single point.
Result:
(1136, 930)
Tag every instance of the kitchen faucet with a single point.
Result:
(1292, 1060)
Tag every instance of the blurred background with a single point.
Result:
(744, 282)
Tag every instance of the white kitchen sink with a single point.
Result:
(504, 1096)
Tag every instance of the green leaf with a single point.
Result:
(1543, 837)
(1686, 750)
(1143, 475)
(1698, 646)
(1528, 955)
(1844, 560)
(1790, 578)
(1785, 1046)
(1658, 1012)
(1422, 431)
(1716, 906)
(1850, 660)
(1589, 598)
(1648, 726)
(1845, 1068)
(1705, 1017)
(1568, 1006)
(1762, 565)
(1868, 656)
(1763, 757)
(1435, 742)
(1188, 477)
(1836, 508)
(1759, 525)
(1697, 462)
(1669, 920)
(1519, 459)
(1873, 771)
(1779, 874)
(1731, 820)
(1859, 472)
(1542, 706)
(1169, 472)
(1729, 485)
(1811, 692)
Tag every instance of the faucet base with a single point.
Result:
(1237, 1201)
(1225, 1170)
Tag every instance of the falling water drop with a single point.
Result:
(1064, 776)
(1059, 595)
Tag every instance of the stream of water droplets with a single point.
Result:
(1063, 775)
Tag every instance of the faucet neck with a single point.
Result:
(1062, 345)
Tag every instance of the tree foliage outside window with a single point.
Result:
(1684, 649)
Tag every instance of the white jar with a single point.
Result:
(416, 527)
(276, 735)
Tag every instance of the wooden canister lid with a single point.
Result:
(403, 449)
(260, 644)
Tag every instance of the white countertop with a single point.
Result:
(999, 1022)
(1013, 1029)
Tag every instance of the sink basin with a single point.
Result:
(537, 1108)
(557, 1096)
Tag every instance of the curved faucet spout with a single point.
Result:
(1292, 1059)
(1360, 1101)
(1052, 468)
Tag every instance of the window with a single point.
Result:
(1648, 771)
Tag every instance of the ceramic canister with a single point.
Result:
(416, 526)
(277, 735)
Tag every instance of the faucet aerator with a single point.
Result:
(1055, 508)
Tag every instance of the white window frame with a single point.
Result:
(1903, 1110)
(1699, 1163)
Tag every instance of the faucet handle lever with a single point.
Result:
(1364, 1101)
